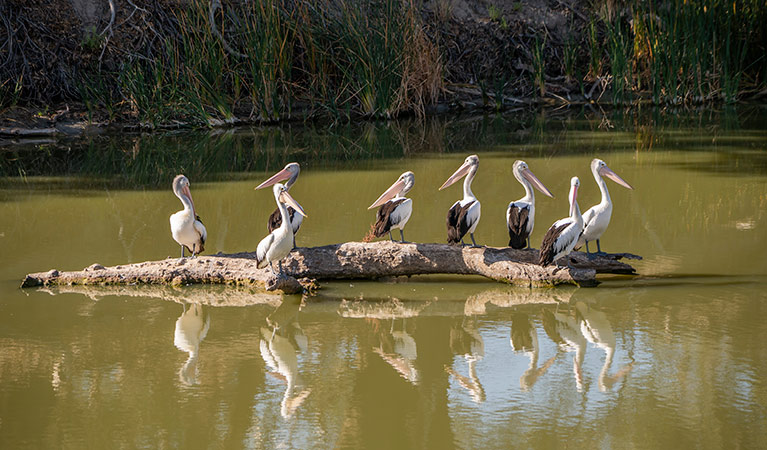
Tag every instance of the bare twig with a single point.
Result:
(214, 5)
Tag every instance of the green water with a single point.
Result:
(672, 358)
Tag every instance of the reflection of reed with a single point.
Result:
(465, 340)
(191, 328)
(524, 338)
(280, 342)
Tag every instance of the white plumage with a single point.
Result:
(463, 217)
(520, 214)
(394, 208)
(277, 244)
(562, 236)
(185, 225)
(597, 218)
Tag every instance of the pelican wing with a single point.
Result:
(387, 217)
(261, 250)
(556, 240)
(518, 218)
(459, 221)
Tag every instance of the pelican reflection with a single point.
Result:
(465, 340)
(281, 340)
(524, 338)
(563, 328)
(598, 331)
(191, 328)
(397, 348)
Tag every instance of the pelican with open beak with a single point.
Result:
(463, 216)
(597, 218)
(395, 208)
(279, 242)
(520, 215)
(289, 172)
(185, 226)
(562, 236)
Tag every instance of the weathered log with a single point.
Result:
(18, 131)
(346, 261)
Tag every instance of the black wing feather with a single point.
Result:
(275, 220)
(547, 247)
(383, 217)
(456, 223)
(518, 219)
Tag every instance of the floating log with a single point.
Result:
(349, 260)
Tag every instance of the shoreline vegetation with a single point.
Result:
(146, 65)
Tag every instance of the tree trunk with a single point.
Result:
(345, 261)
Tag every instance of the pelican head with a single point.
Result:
(470, 164)
(181, 189)
(599, 168)
(402, 186)
(289, 172)
(282, 196)
(575, 183)
(522, 172)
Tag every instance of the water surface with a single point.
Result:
(672, 357)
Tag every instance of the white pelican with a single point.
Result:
(520, 215)
(561, 238)
(395, 208)
(277, 244)
(597, 218)
(464, 215)
(289, 172)
(185, 226)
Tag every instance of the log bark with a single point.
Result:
(347, 261)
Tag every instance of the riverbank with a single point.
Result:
(90, 66)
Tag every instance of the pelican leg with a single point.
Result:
(474, 243)
(402, 236)
(294, 242)
(182, 251)
(588, 253)
(599, 249)
(279, 265)
(528, 242)
(391, 238)
(272, 267)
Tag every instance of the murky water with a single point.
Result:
(671, 358)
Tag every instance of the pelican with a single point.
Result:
(289, 172)
(597, 218)
(520, 215)
(463, 216)
(277, 244)
(395, 208)
(185, 226)
(563, 235)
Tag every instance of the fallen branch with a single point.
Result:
(346, 261)
(16, 131)
(214, 5)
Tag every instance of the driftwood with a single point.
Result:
(350, 260)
